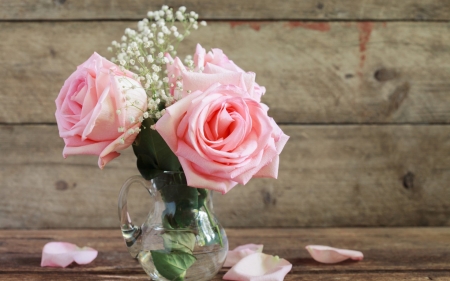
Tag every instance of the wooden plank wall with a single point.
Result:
(362, 88)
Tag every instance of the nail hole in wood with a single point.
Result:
(384, 74)
(61, 185)
(408, 180)
(268, 199)
(52, 52)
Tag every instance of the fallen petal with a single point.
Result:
(85, 255)
(61, 254)
(325, 254)
(240, 252)
(259, 267)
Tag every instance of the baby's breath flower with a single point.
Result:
(179, 16)
(143, 52)
(165, 30)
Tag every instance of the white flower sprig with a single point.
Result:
(143, 52)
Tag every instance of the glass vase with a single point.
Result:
(181, 238)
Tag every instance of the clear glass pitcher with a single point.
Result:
(181, 238)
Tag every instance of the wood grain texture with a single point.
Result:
(234, 9)
(344, 276)
(389, 253)
(390, 175)
(343, 72)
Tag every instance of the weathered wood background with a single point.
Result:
(362, 87)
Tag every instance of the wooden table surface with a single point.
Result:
(389, 253)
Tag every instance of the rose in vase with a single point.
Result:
(98, 110)
(219, 130)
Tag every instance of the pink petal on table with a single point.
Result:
(61, 254)
(325, 254)
(259, 267)
(85, 255)
(240, 252)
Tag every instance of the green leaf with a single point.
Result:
(144, 166)
(183, 241)
(178, 192)
(184, 200)
(186, 211)
(167, 220)
(153, 153)
(172, 265)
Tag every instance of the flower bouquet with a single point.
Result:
(195, 127)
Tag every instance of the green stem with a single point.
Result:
(213, 222)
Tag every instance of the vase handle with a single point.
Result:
(130, 232)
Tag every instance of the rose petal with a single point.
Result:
(193, 81)
(259, 267)
(325, 254)
(240, 252)
(85, 255)
(61, 254)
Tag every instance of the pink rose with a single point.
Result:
(175, 70)
(215, 63)
(94, 112)
(222, 135)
